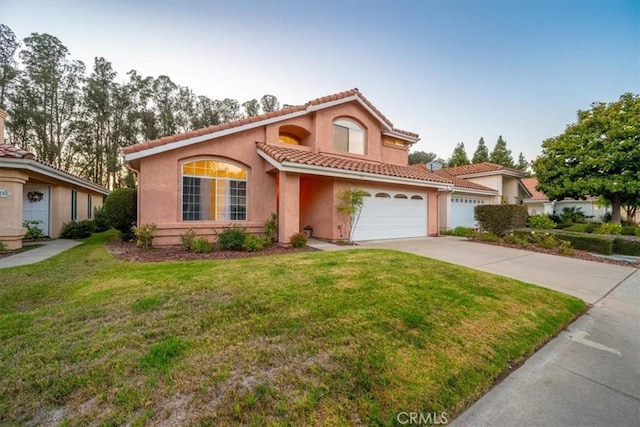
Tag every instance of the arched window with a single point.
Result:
(400, 196)
(348, 136)
(416, 198)
(383, 195)
(366, 194)
(213, 190)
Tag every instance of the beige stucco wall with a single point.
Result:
(11, 229)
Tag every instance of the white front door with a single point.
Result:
(392, 215)
(35, 205)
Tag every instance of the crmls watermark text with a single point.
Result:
(418, 418)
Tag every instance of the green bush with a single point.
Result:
(186, 239)
(581, 228)
(253, 243)
(271, 228)
(499, 219)
(201, 246)
(1, 246)
(144, 235)
(638, 232)
(540, 222)
(565, 247)
(626, 246)
(298, 240)
(33, 231)
(121, 211)
(588, 242)
(572, 215)
(462, 232)
(629, 230)
(608, 228)
(77, 229)
(484, 236)
(232, 238)
(100, 221)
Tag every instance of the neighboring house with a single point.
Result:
(478, 184)
(33, 190)
(293, 162)
(538, 203)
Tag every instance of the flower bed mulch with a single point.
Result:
(587, 256)
(128, 251)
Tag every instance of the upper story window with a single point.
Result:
(348, 137)
(213, 190)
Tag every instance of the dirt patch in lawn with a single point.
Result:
(587, 256)
(128, 251)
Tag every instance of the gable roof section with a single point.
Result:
(462, 183)
(485, 168)
(285, 158)
(530, 185)
(17, 158)
(193, 137)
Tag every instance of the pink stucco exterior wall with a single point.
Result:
(299, 199)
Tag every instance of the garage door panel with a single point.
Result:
(463, 210)
(388, 218)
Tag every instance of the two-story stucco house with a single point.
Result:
(293, 162)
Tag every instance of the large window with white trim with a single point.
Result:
(348, 136)
(213, 190)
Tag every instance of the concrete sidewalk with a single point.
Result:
(32, 256)
(589, 375)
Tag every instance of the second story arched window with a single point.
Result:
(348, 136)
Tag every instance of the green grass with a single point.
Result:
(331, 338)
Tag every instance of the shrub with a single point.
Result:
(540, 222)
(548, 242)
(77, 229)
(581, 228)
(298, 240)
(485, 236)
(100, 221)
(201, 246)
(588, 242)
(638, 232)
(462, 232)
(121, 211)
(144, 235)
(626, 247)
(565, 247)
(499, 219)
(607, 217)
(271, 228)
(253, 243)
(232, 238)
(33, 231)
(608, 228)
(629, 230)
(186, 239)
(1, 246)
(572, 215)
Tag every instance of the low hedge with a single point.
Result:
(629, 230)
(584, 242)
(500, 219)
(626, 246)
(581, 228)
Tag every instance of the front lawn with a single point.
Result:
(331, 338)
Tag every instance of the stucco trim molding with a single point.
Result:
(51, 172)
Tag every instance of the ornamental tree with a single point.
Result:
(599, 155)
(351, 203)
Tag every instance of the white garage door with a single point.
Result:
(462, 211)
(392, 215)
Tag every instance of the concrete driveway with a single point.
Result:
(589, 375)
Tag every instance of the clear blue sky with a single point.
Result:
(451, 70)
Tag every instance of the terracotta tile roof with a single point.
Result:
(288, 110)
(479, 168)
(461, 182)
(530, 185)
(7, 150)
(292, 155)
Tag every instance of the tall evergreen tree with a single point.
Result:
(500, 154)
(482, 152)
(458, 157)
(8, 66)
(522, 164)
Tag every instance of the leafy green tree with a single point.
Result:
(458, 157)
(597, 156)
(269, 103)
(251, 107)
(500, 155)
(351, 203)
(8, 66)
(481, 154)
(522, 164)
(421, 157)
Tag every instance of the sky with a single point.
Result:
(450, 70)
